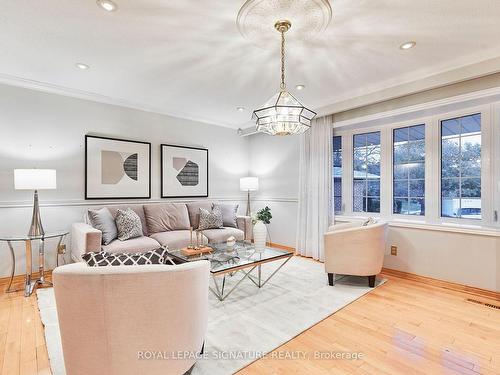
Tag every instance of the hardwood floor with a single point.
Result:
(402, 327)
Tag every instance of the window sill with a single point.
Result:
(477, 230)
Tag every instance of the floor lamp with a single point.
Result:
(35, 179)
(249, 184)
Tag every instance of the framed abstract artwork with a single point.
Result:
(184, 172)
(117, 168)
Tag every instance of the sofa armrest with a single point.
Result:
(244, 223)
(84, 239)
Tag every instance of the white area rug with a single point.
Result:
(250, 319)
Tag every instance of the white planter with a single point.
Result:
(259, 235)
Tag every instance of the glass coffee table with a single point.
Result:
(241, 258)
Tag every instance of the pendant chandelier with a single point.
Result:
(283, 114)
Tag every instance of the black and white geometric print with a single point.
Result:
(102, 258)
(210, 220)
(128, 224)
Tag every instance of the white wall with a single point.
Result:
(469, 259)
(275, 160)
(47, 131)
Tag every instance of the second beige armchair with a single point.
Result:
(355, 249)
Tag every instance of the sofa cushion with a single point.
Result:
(137, 208)
(176, 239)
(102, 258)
(221, 235)
(102, 220)
(135, 245)
(229, 214)
(166, 217)
(194, 211)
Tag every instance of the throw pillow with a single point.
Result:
(369, 221)
(229, 214)
(128, 224)
(102, 258)
(210, 220)
(103, 220)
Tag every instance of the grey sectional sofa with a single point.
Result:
(163, 224)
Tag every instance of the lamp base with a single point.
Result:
(248, 203)
(36, 228)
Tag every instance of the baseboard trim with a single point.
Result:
(443, 284)
(279, 246)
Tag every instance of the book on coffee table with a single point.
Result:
(192, 252)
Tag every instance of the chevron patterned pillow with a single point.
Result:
(102, 258)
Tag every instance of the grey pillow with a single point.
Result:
(103, 220)
(128, 224)
(210, 220)
(229, 214)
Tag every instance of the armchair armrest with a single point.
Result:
(84, 239)
(244, 223)
(342, 226)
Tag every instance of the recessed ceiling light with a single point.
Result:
(240, 109)
(107, 5)
(82, 66)
(408, 45)
(300, 87)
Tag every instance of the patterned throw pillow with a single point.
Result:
(102, 258)
(369, 221)
(128, 224)
(210, 220)
(229, 214)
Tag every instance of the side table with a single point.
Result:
(29, 282)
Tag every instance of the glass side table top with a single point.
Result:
(242, 254)
(26, 237)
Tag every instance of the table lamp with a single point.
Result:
(35, 179)
(249, 184)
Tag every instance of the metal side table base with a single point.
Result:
(30, 283)
(13, 269)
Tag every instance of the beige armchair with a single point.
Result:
(113, 319)
(354, 249)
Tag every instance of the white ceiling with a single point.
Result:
(187, 58)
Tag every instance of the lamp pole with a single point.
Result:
(248, 202)
(36, 228)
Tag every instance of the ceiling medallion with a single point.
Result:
(283, 114)
(309, 18)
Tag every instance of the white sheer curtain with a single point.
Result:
(315, 175)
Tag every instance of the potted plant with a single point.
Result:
(259, 222)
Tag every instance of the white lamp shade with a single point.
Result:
(249, 183)
(34, 179)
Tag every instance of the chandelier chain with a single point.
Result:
(283, 85)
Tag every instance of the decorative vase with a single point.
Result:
(259, 236)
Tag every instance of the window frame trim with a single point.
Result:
(490, 165)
